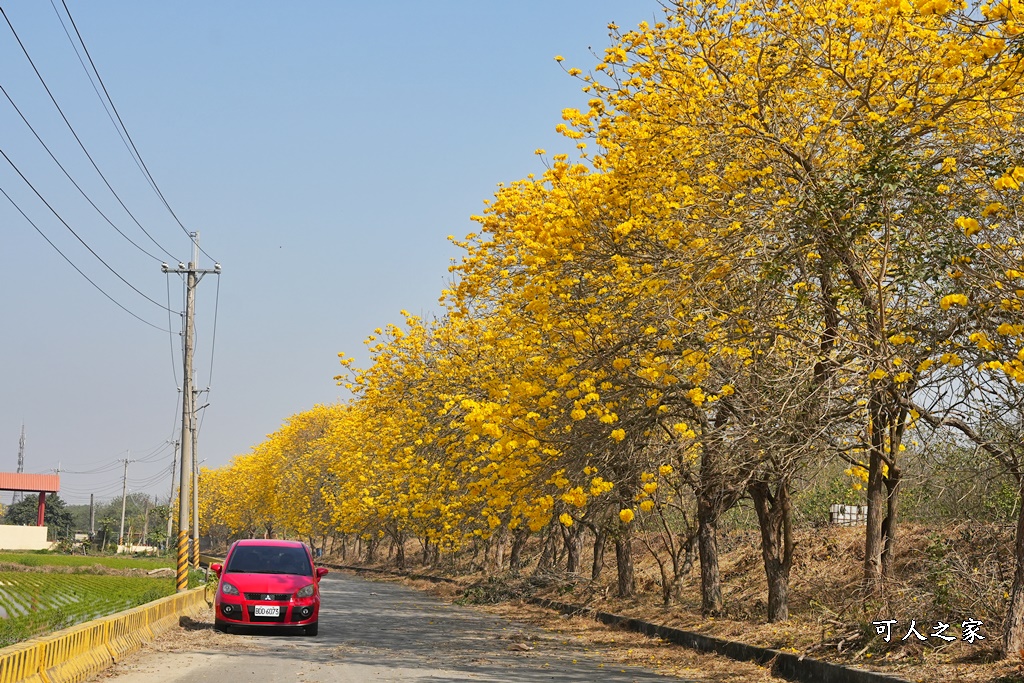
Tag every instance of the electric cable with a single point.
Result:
(213, 340)
(100, 490)
(150, 480)
(95, 87)
(149, 175)
(77, 236)
(73, 182)
(71, 263)
(155, 455)
(74, 133)
(99, 470)
(170, 333)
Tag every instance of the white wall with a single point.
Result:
(23, 537)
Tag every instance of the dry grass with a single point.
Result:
(632, 648)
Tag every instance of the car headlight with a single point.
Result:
(228, 589)
(305, 592)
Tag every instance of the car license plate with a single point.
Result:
(267, 611)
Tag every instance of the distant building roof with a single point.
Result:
(14, 481)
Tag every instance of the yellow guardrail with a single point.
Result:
(79, 652)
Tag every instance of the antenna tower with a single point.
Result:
(21, 462)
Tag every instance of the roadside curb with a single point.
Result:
(788, 665)
(76, 653)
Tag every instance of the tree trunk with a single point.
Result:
(624, 564)
(667, 582)
(573, 541)
(371, 550)
(515, 558)
(889, 525)
(690, 554)
(600, 536)
(1013, 627)
(400, 551)
(707, 543)
(873, 543)
(499, 557)
(883, 497)
(775, 520)
(547, 554)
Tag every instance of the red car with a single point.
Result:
(268, 583)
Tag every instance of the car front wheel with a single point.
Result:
(312, 629)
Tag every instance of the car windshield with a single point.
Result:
(269, 559)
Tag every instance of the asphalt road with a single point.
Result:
(373, 631)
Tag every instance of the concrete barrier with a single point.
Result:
(74, 654)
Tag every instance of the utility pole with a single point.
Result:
(195, 488)
(92, 517)
(145, 523)
(193, 275)
(124, 499)
(170, 499)
(195, 484)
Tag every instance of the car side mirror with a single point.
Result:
(216, 568)
(321, 571)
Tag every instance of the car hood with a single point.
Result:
(267, 583)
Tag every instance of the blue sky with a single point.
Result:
(323, 150)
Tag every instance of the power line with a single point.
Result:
(72, 230)
(170, 333)
(155, 455)
(213, 341)
(98, 491)
(99, 470)
(145, 168)
(71, 263)
(73, 182)
(151, 456)
(74, 133)
(95, 87)
(149, 481)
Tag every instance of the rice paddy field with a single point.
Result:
(45, 559)
(42, 592)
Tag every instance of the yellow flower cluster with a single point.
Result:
(723, 253)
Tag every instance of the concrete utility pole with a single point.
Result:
(124, 499)
(145, 523)
(195, 487)
(92, 516)
(193, 275)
